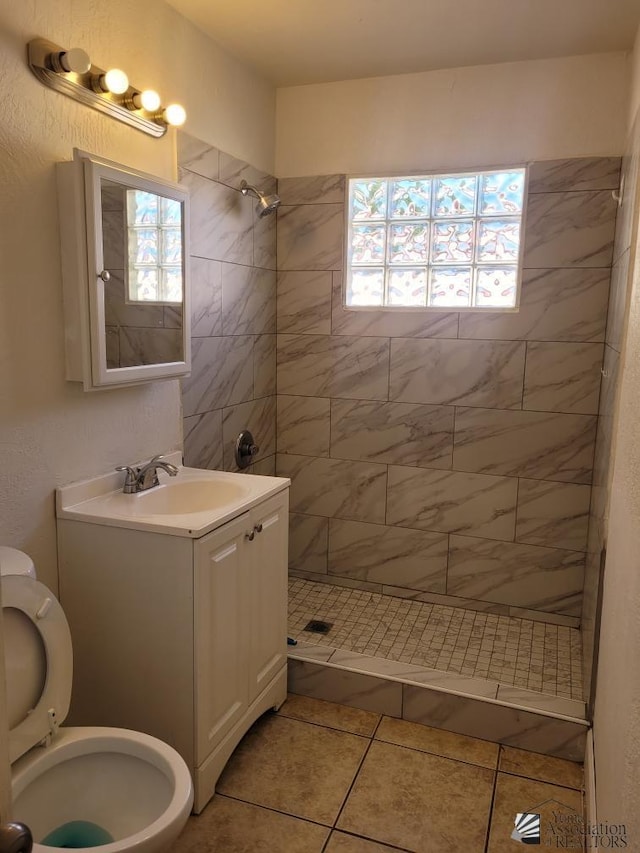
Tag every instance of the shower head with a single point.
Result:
(266, 203)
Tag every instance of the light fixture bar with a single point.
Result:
(80, 88)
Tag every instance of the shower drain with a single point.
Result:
(317, 626)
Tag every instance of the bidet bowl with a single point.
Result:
(130, 784)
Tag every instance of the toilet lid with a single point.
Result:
(38, 660)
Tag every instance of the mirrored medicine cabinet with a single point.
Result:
(125, 274)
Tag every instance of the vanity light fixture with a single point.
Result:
(71, 72)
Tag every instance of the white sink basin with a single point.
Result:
(180, 497)
(189, 504)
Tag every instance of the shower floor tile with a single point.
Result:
(532, 656)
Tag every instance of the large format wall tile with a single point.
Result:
(523, 575)
(203, 440)
(221, 221)
(555, 305)
(221, 374)
(197, 156)
(575, 174)
(563, 377)
(206, 297)
(265, 229)
(233, 171)
(495, 722)
(345, 687)
(554, 514)
(259, 417)
(304, 302)
(332, 487)
(452, 502)
(618, 301)
(379, 554)
(472, 373)
(539, 445)
(233, 316)
(570, 229)
(399, 433)
(264, 365)
(308, 542)
(607, 413)
(303, 425)
(324, 366)
(392, 324)
(264, 467)
(310, 237)
(248, 300)
(317, 189)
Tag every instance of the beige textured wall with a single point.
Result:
(51, 432)
(617, 706)
(479, 116)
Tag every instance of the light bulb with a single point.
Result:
(175, 115)
(150, 100)
(115, 81)
(75, 60)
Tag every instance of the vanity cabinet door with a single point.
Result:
(221, 589)
(267, 553)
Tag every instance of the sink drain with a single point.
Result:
(317, 626)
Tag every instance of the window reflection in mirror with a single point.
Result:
(142, 249)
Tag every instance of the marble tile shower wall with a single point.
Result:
(233, 285)
(621, 275)
(447, 457)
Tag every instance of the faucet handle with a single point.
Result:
(130, 481)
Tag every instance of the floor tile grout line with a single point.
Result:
(492, 803)
(542, 781)
(272, 809)
(333, 828)
(323, 725)
(466, 762)
(369, 839)
(353, 782)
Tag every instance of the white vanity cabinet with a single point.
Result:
(183, 638)
(240, 618)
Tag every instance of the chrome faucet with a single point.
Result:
(145, 477)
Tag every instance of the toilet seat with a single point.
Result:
(39, 661)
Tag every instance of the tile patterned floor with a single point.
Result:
(531, 655)
(318, 777)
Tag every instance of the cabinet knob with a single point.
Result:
(105, 275)
(258, 528)
(250, 536)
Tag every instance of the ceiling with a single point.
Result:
(292, 42)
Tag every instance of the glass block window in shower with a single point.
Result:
(436, 241)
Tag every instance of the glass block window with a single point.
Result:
(154, 248)
(435, 241)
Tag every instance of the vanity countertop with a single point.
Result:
(191, 504)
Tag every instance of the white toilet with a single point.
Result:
(77, 787)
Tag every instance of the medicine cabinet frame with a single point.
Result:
(85, 275)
